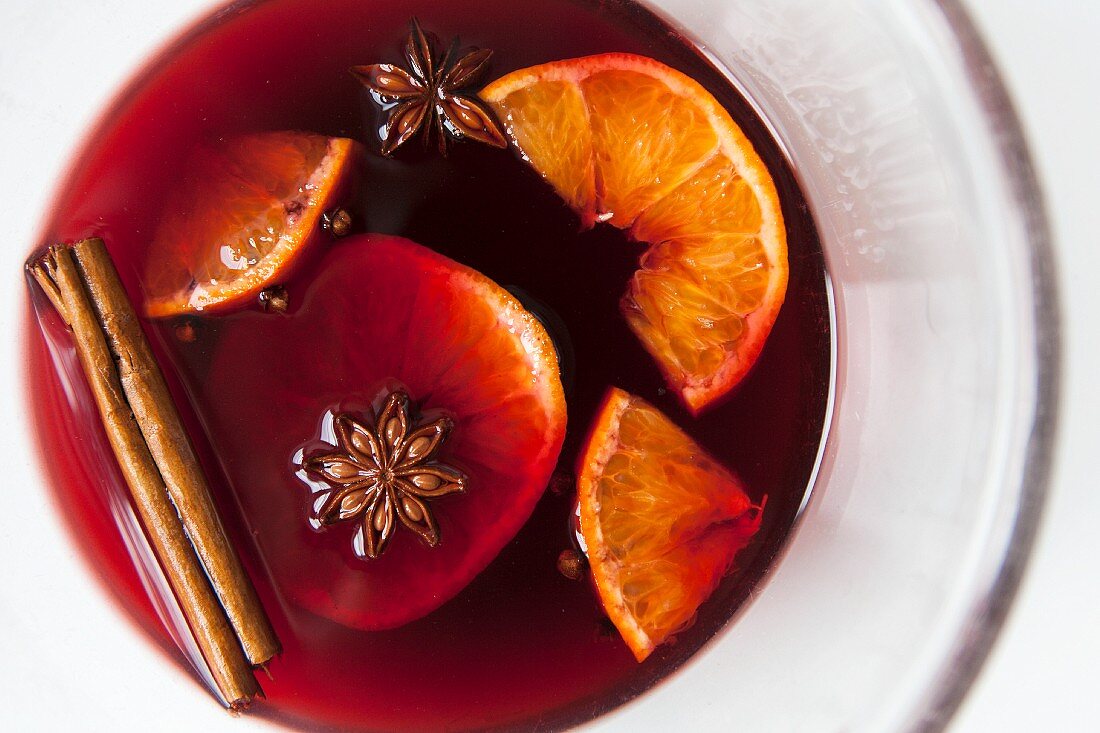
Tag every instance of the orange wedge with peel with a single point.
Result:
(242, 215)
(661, 520)
(627, 140)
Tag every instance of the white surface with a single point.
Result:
(55, 70)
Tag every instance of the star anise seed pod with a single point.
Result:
(382, 473)
(432, 94)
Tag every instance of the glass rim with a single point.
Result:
(990, 606)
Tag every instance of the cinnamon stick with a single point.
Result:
(59, 276)
(159, 421)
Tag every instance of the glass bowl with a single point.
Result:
(910, 546)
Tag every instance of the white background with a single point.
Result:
(59, 642)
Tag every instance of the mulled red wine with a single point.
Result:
(519, 642)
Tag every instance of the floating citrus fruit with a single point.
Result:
(243, 212)
(373, 315)
(628, 140)
(661, 520)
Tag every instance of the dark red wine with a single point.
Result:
(520, 643)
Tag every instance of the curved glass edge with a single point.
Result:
(990, 609)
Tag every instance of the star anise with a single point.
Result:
(432, 94)
(384, 472)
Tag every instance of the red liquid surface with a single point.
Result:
(521, 643)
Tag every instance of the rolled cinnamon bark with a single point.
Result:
(58, 274)
(159, 421)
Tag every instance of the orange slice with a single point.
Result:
(661, 520)
(242, 214)
(381, 311)
(628, 140)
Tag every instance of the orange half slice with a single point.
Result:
(627, 140)
(661, 520)
(242, 215)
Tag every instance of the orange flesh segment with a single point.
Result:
(549, 120)
(242, 215)
(627, 140)
(661, 520)
(641, 156)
